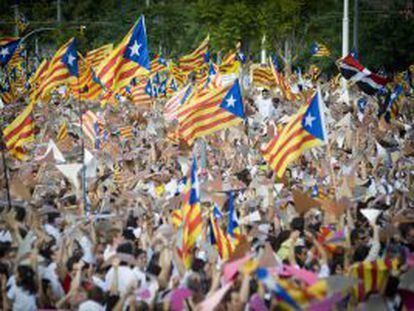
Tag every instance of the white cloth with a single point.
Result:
(324, 272)
(140, 276)
(90, 305)
(108, 252)
(52, 231)
(22, 300)
(49, 273)
(265, 107)
(126, 276)
(87, 248)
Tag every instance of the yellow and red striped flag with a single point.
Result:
(191, 214)
(196, 59)
(218, 109)
(141, 93)
(158, 64)
(62, 133)
(95, 57)
(63, 69)
(177, 218)
(220, 238)
(126, 132)
(128, 60)
(19, 133)
(262, 77)
(305, 130)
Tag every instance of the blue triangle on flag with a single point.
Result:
(137, 47)
(312, 120)
(233, 101)
(70, 59)
(7, 51)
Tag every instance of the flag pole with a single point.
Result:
(83, 172)
(6, 176)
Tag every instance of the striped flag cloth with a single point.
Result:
(19, 133)
(368, 82)
(319, 50)
(172, 87)
(262, 76)
(233, 228)
(218, 236)
(178, 75)
(158, 64)
(62, 133)
(372, 276)
(305, 130)
(6, 92)
(191, 214)
(87, 87)
(173, 104)
(127, 132)
(177, 218)
(196, 59)
(392, 103)
(218, 109)
(128, 60)
(93, 128)
(63, 69)
(37, 78)
(117, 175)
(8, 48)
(281, 82)
(95, 57)
(141, 93)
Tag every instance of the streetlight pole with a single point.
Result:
(356, 24)
(345, 29)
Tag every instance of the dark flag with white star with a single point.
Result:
(218, 109)
(8, 47)
(63, 69)
(128, 60)
(305, 130)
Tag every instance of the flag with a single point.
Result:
(6, 92)
(172, 86)
(93, 128)
(158, 64)
(22, 22)
(233, 228)
(305, 130)
(219, 237)
(162, 89)
(19, 133)
(177, 218)
(62, 133)
(392, 103)
(141, 93)
(88, 86)
(368, 82)
(280, 81)
(372, 276)
(262, 77)
(127, 61)
(174, 103)
(319, 50)
(218, 109)
(95, 57)
(196, 59)
(191, 213)
(127, 132)
(8, 47)
(63, 69)
(37, 78)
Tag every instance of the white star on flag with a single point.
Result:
(4, 52)
(231, 101)
(309, 120)
(71, 58)
(135, 48)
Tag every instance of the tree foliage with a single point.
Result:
(175, 27)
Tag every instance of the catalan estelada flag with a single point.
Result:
(218, 236)
(177, 218)
(158, 64)
(280, 81)
(128, 60)
(95, 57)
(127, 132)
(19, 133)
(319, 50)
(6, 92)
(141, 93)
(8, 47)
(233, 228)
(93, 128)
(262, 77)
(196, 59)
(392, 103)
(173, 104)
(191, 215)
(218, 109)
(305, 130)
(63, 69)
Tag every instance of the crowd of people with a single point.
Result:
(335, 233)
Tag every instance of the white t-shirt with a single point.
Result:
(49, 273)
(90, 305)
(265, 107)
(22, 300)
(125, 277)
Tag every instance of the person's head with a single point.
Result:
(142, 260)
(300, 254)
(233, 301)
(297, 223)
(96, 294)
(361, 252)
(25, 279)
